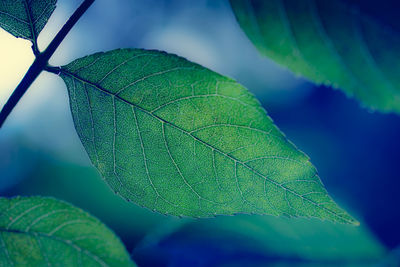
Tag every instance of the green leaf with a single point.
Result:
(280, 240)
(328, 43)
(180, 139)
(25, 18)
(37, 231)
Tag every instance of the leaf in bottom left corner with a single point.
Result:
(38, 231)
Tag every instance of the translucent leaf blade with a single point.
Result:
(180, 139)
(328, 42)
(37, 231)
(25, 19)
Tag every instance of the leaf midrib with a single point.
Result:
(31, 25)
(98, 87)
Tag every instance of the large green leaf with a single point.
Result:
(180, 139)
(327, 42)
(263, 239)
(37, 231)
(25, 18)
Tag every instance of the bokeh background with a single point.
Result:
(356, 151)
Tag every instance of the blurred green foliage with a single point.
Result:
(272, 240)
(328, 42)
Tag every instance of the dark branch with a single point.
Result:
(41, 61)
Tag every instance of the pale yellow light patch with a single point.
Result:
(15, 58)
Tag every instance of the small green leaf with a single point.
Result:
(296, 241)
(180, 139)
(37, 231)
(328, 43)
(25, 18)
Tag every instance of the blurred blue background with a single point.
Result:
(356, 151)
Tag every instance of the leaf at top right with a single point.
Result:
(328, 42)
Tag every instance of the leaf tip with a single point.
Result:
(355, 223)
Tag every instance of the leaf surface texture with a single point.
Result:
(180, 139)
(25, 18)
(37, 231)
(328, 42)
